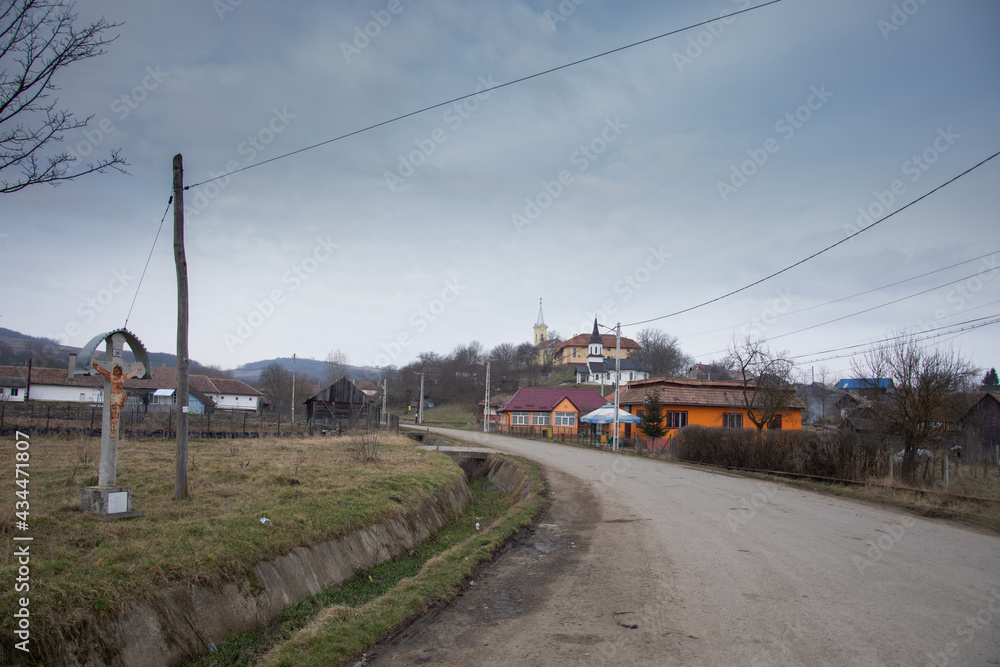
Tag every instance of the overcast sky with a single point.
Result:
(626, 187)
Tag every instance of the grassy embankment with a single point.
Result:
(83, 569)
(337, 625)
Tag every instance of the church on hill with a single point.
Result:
(593, 355)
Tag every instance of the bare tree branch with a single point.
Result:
(38, 40)
(766, 377)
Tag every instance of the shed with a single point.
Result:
(340, 403)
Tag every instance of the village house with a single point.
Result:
(710, 403)
(54, 385)
(548, 411)
(493, 411)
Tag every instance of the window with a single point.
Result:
(565, 419)
(13, 392)
(520, 418)
(677, 419)
(540, 419)
(775, 424)
(732, 420)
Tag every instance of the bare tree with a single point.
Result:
(335, 366)
(661, 353)
(37, 41)
(923, 404)
(766, 378)
(276, 383)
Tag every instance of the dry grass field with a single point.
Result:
(83, 568)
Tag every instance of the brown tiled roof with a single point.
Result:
(496, 401)
(229, 386)
(366, 385)
(163, 378)
(715, 393)
(607, 340)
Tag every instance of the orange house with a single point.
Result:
(548, 411)
(703, 402)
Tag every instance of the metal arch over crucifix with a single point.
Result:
(101, 500)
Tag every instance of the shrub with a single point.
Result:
(836, 454)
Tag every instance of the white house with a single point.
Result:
(53, 385)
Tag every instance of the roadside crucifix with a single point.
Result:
(107, 499)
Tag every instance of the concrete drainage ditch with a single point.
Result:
(179, 624)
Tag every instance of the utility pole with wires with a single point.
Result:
(486, 408)
(385, 401)
(618, 377)
(180, 261)
(420, 409)
(293, 392)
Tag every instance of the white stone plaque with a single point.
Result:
(118, 502)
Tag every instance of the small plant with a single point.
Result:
(366, 440)
(83, 454)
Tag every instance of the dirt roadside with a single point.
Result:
(563, 594)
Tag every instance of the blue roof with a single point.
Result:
(865, 383)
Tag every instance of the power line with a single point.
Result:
(171, 201)
(883, 305)
(919, 338)
(915, 332)
(865, 310)
(817, 253)
(845, 298)
(486, 90)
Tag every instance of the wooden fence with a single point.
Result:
(84, 419)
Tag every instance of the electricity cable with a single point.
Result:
(485, 90)
(817, 253)
(845, 298)
(158, 230)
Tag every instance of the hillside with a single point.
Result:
(311, 367)
(16, 348)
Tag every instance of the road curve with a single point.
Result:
(714, 569)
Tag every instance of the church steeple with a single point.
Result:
(595, 346)
(541, 331)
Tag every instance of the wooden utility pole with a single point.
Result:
(181, 463)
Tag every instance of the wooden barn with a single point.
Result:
(339, 405)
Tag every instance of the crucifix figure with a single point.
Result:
(115, 372)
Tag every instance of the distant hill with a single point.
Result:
(17, 335)
(250, 372)
(48, 352)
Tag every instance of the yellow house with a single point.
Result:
(548, 411)
(577, 349)
(705, 403)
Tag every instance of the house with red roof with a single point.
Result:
(548, 411)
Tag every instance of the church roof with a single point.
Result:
(541, 320)
(595, 338)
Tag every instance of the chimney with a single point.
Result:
(72, 367)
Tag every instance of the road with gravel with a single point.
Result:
(646, 562)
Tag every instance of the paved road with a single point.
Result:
(714, 570)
